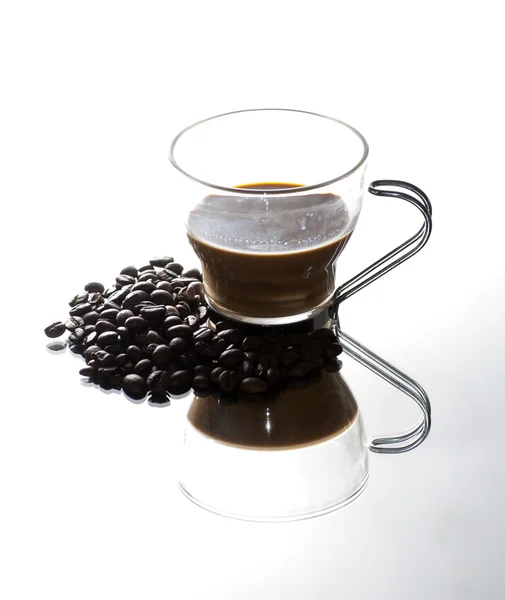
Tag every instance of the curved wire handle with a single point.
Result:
(417, 434)
(399, 254)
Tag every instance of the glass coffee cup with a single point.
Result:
(274, 197)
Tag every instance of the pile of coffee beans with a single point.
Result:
(149, 334)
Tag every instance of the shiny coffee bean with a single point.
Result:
(134, 352)
(91, 318)
(204, 334)
(184, 331)
(153, 314)
(161, 261)
(192, 273)
(136, 324)
(101, 326)
(143, 367)
(158, 381)
(144, 286)
(162, 297)
(79, 299)
(107, 338)
(80, 310)
(161, 356)
(253, 385)
(164, 285)
(229, 358)
(121, 317)
(124, 279)
(180, 379)
(201, 383)
(228, 380)
(109, 314)
(129, 270)
(178, 344)
(134, 298)
(94, 286)
(55, 330)
(324, 334)
(125, 335)
(73, 323)
(134, 386)
(231, 336)
(155, 338)
(104, 359)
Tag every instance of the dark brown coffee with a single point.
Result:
(303, 414)
(269, 256)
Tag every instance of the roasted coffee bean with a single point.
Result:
(114, 349)
(158, 381)
(164, 285)
(143, 268)
(231, 336)
(155, 338)
(141, 340)
(231, 357)
(121, 359)
(299, 369)
(79, 299)
(134, 352)
(121, 317)
(162, 297)
(192, 273)
(223, 326)
(76, 348)
(202, 313)
(102, 325)
(204, 334)
(166, 275)
(201, 383)
(109, 314)
(215, 374)
(192, 321)
(259, 370)
(125, 335)
(272, 376)
(178, 344)
(204, 370)
(148, 351)
(161, 261)
(110, 304)
(161, 356)
(212, 349)
(87, 372)
(252, 356)
(90, 318)
(95, 298)
(94, 286)
(55, 330)
(170, 322)
(332, 350)
(180, 379)
(118, 296)
(73, 323)
(144, 286)
(247, 368)
(109, 291)
(172, 311)
(107, 338)
(198, 287)
(124, 279)
(148, 276)
(153, 313)
(136, 324)
(144, 304)
(158, 399)
(129, 270)
(251, 342)
(184, 331)
(289, 357)
(92, 363)
(228, 380)
(88, 331)
(90, 350)
(189, 294)
(134, 298)
(175, 267)
(143, 367)
(332, 365)
(80, 310)
(324, 334)
(183, 310)
(134, 386)
(253, 385)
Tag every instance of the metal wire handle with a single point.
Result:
(399, 254)
(417, 434)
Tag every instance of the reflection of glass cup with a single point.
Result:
(276, 195)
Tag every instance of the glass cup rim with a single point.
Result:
(249, 191)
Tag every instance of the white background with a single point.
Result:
(91, 94)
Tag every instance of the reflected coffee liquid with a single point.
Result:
(269, 256)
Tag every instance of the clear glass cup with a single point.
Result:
(273, 197)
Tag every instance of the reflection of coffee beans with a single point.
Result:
(268, 257)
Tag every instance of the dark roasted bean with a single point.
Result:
(155, 338)
(215, 374)
(144, 286)
(162, 297)
(114, 349)
(247, 368)
(161, 261)
(201, 383)
(164, 285)
(109, 314)
(183, 311)
(79, 299)
(272, 376)
(180, 379)
(332, 350)
(179, 331)
(104, 359)
(121, 317)
(166, 275)
(92, 363)
(192, 321)
(103, 325)
(94, 286)
(110, 304)
(251, 342)
(204, 334)
(107, 338)
(74, 323)
(55, 330)
(129, 270)
(175, 267)
(223, 325)
(87, 372)
(193, 273)
(178, 344)
(253, 385)
(121, 359)
(80, 310)
(148, 267)
(231, 357)
(161, 356)
(148, 276)
(90, 318)
(153, 313)
(202, 313)
(134, 298)
(134, 352)
(202, 370)
(76, 348)
(189, 294)
(134, 386)
(125, 334)
(324, 334)
(231, 336)
(143, 367)
(158, 381)
(91, 338)
(136, 324)
(95, 298)
(259, 370)
(124, 279)
(109, 291)
(228, 380)
(332, 365)
(90, 350)
(198, 287)
(118, 296)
